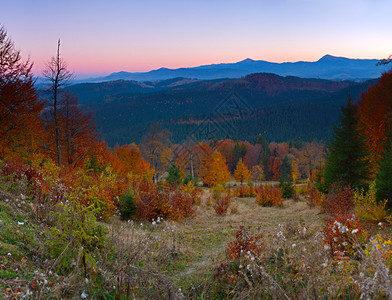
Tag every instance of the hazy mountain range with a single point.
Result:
(327, 67)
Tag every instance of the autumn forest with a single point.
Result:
(182, 210)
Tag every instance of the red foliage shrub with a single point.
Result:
(222, 203)
(165, 202)
(339, 201)
(16, 170)
(244, 191)
(44, 196)
(269, 195)
(314, 198)
(342, 232)
(193, 191)
(245, 243)
(246, 247)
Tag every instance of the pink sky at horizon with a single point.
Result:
(84, 68)
(101, 37)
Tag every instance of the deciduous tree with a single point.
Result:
(156, 149)
(258, 172)
(375, 113)
(129, 155)
(294, 170)
(241, 172)
(216, 171)
(310, 158)
(20, 109)
(77, 132)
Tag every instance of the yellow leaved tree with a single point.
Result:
(241, 172)
(215, 170)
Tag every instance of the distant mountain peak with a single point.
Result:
(162, 69)
(329, 57)
(247, 60)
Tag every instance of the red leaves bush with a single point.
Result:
(246, 247)
(153, 201)
(245, 243)
(340, 201)
(43, 195)
(342, 229)
(17, 171)
(222, 203)
(342, 232)
(314, 197)
(269, 195)
(244, 191)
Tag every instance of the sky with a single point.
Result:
(100, 37)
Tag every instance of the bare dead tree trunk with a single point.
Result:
(55, 94)
(58, 76)
(192, 171)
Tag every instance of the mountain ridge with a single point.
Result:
(327, 67)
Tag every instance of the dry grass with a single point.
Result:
(187, 253)
(204, 237)
(154, 259)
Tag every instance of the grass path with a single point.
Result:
(204, 238)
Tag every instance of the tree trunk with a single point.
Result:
(55, 95)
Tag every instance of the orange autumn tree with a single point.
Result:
(77, 131)
(241, 172)
(77, 137)
(129, 154)
(101, 156)
(274, 165)
(215, 170)
(156, 149)
(133, 161)
(143, 170)
(375, 111)
(20, 109)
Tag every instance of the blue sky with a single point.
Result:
(100, 37)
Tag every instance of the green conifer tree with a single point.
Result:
(347, 162)
(174, 175)
(285, 169)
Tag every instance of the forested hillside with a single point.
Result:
(281, 108)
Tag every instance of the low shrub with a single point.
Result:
(193, 191)
(302, 190)
(314, 197)
(339, 201)
(75, 237)
(287, 188)
(217, 191)
(367, 207)
(153, 201)
(245, 248)
(42, 191)
(222, 202)
(342, 232)
(245, 191)
(268, 195)
(127, 206)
